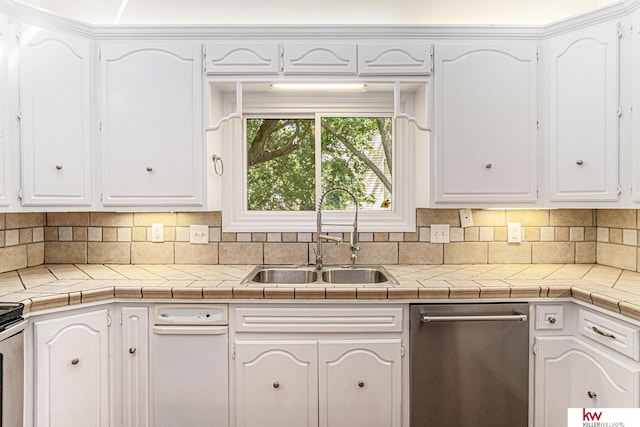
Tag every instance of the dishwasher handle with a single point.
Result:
(425, 318)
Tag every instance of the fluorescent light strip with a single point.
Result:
(343, 87)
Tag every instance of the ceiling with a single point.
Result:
(319, 12)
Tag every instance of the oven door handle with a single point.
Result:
(425, 318)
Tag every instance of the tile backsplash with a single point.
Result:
(603, 236)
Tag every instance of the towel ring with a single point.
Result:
(218, 164)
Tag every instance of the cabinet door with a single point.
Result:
(276, 383)
(391, 59)
(635, 136)
(135, 366)
(72, 373)
(485, 124)
(243, 58)
(4, 110)
(55, 93)
(320, 58)
(572, 374)
(360, 383)
(152, 135)
(582, 86)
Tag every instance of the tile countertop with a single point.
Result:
(57, 285)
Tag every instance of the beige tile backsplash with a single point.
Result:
(606, 236)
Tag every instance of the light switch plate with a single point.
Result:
(439, 233)
(514, 232)
(157, 232)
(199, 234)
(466, 218)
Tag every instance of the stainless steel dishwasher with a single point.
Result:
(469, 365)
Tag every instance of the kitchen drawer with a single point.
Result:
(549, 317)
(311, 319)
(610, 333)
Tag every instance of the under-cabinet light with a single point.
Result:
(336, 87)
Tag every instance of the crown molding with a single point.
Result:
(37, 16)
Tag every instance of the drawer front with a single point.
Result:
(610, 333)
(248, 319)
(549, 317)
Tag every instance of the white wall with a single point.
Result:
(319, 11)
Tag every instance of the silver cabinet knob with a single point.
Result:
(488, 166)
(360, 383)
(579, 162)
(74, 362)
(132, 350)
(149, 168)
(276, 384)
(59, 167)
(592, 394)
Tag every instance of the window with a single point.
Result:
(287, 149)
(285, 174)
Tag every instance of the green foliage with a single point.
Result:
(281, 161)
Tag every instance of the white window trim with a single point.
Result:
(237, 218)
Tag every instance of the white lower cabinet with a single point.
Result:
(311, 367)
(276, 383)
(360, 383)
(72, 370)
(133, 353)
(582, 359)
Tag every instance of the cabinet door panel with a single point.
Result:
(4, 109)
(135, 366)
(72, 374)
(152, 125)
(243, 58)
(276, 383)
(485, 115)
(583, 122)
(360, 383)
(324, 58)
(567, 370)
(55, 94)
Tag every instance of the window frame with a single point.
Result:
(235, 215)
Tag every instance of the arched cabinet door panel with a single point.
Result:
(152, 135)
(485, 132)
(55, 119)
(572, 374)
(582, 89)
(71, 370)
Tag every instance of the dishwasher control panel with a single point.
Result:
(191, 314)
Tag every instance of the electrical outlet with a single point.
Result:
(157, 232)
(439, 233)
(199, 234)
(514, 232)
(466, 218)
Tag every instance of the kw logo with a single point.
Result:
(590, 416)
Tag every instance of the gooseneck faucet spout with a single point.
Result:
(353, 241)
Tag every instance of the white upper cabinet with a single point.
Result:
(152, 134)
(320, 58)
(245, 58)
(4, 110)
(485, 133)
(635, 135)
(582, 114)
(55, 103)
(380, 59)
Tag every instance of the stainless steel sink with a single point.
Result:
(330, 275)
(283, 275)
(355, 275)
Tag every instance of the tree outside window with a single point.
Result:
(353, 152)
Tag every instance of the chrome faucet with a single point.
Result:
(353, 241)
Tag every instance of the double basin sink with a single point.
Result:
(329, 275)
